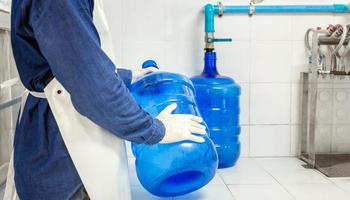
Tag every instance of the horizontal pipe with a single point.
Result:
(212, 10)
(325, 40)
(10, 83)
(10, 103)
(335, 8)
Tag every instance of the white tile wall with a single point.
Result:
(296, 104)
(270, 140)
(245, 139)
(8, 116)
(266, 57)
(270, 103)
(4, 20)
(135, 53)
(267, 27)
(234, 60)
(295, 137)
(245, 104)
(271, 61)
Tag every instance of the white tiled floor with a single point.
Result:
(262, 179)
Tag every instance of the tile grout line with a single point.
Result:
(331, 182)
(291, 97)
(290, 116)
(250, 87)
(226, 185)
(290, 83)
(275, 180)
(231, 193)
(335, 183)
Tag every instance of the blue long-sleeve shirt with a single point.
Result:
(57, 38)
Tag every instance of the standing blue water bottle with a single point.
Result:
(218, 101)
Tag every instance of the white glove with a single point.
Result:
(138, 73)
(179, 127)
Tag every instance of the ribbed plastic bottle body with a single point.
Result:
(218, 102)
(179, 168)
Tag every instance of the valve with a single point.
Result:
(211, 40)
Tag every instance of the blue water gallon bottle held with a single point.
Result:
(218, 101)
(168, 170)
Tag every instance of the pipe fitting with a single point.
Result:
(331, 29)
(221, 9)
(209, 38)
(251, 9)
(339, 30)
(348, 29)
(209, 18)
(342, 8)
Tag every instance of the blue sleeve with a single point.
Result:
(125, 75)
(68, 39)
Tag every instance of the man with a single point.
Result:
(57, 40)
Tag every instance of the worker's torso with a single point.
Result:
(43, 167)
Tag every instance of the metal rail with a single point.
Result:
(10, 103)
(324, 40)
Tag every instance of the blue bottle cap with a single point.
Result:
(149, 63)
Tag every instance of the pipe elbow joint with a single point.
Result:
(209, 10)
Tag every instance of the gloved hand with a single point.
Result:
(138, 73)
(180, 127)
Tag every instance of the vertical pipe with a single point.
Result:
(210, 12)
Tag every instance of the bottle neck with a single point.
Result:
(210, 64)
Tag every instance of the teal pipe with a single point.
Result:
(212, 10)
(336, 8)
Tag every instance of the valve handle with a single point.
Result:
(211, 40)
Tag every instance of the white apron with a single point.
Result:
(99, 156)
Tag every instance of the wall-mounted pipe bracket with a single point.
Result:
(251, 9)
(221, 9)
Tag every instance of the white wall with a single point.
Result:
(266, 58)
(8, 116)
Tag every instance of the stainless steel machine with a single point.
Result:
(325, 134)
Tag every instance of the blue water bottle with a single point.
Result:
(218, 101)
(168, 170)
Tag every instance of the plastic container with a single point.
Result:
(171, 169)
(218, 101)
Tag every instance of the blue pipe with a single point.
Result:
(212, 10)
(336, 8)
